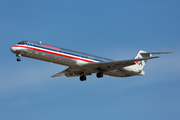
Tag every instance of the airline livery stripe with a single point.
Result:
(55, 53)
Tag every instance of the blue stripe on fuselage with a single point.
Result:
(69, 53)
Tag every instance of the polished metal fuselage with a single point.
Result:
(65, 57)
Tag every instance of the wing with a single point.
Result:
(107, 66)
(93, 67)
(71, 72)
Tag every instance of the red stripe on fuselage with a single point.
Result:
(50, 52)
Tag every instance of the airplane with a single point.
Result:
(81, 64)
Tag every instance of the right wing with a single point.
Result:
(107, 66)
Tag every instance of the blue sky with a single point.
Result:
(112, 29)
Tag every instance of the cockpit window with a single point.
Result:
(23, 42)
(20, 42)
(28, 43)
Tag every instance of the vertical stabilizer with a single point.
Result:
(141, 64)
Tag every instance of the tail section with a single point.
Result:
(144, 54)
(141, 54)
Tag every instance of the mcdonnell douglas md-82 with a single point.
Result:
(81, 64)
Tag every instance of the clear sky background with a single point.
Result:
(113, 29)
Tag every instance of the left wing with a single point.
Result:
(71, 72)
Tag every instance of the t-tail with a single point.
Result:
(143, 54)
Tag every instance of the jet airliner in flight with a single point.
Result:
(81, 64)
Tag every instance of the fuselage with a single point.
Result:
(64, 57)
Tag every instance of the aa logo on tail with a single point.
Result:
(139, 62)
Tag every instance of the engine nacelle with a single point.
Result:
(132, 69)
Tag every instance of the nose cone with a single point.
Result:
(13, 49)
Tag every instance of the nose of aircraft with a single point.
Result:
(13, 49)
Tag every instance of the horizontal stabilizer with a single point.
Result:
(156, 53)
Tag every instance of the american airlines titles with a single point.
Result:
(50, 47)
